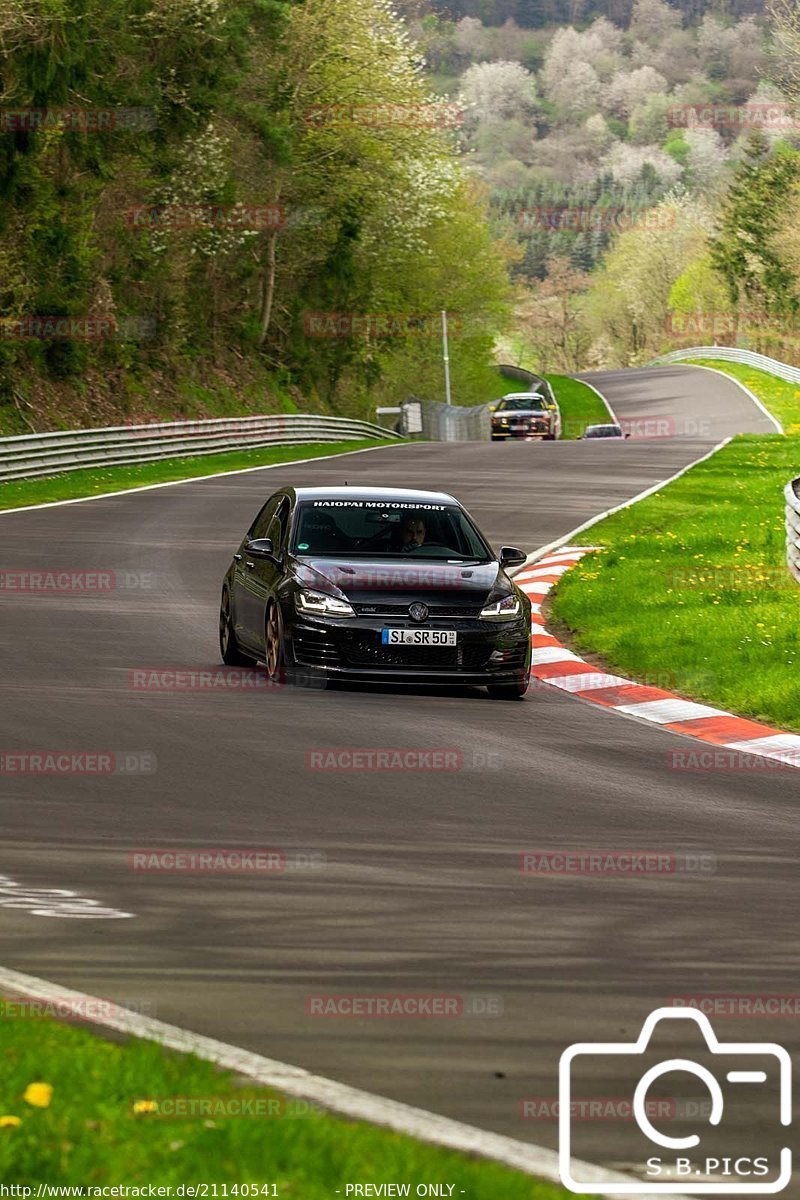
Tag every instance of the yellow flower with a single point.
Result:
(38, 1095)
(145, 1106)
(9, 1122)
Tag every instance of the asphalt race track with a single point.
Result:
(420, 890)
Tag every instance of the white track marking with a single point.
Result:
(586, 683)
(751, 395)
(337, 1097)
(54, 902)
(557, 654)
(665, 712)
(772, 745)
(149, 487)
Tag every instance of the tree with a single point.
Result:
(497, 91)
(653, 20)
(743, 250)
(627, 91)
(550, 320)
(627, 304)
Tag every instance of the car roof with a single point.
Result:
(608, 425)
(521, 395)
(373, 493)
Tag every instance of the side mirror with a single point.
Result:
(510, 556)
(260, 548)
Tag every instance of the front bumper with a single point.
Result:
(521, 431)
(487, 652)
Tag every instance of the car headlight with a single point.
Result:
(323, 605)
(505, 609)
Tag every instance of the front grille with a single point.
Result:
(475, 655)
(314, 649)
(401, 610)
(366, 650)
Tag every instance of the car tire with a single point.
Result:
(508, 691)
(229, 650)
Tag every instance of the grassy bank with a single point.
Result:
(580, 406)
(781, 398)
(105, 1122)
(693, 580)
(73, 485)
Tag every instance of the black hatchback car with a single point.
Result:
(375, 585)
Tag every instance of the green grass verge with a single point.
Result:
(72, 485)
(89, 1134)
(781, 398)
(579, 405)
(692, 582)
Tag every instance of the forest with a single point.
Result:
(210, 207)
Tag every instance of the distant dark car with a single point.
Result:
(604, 431)
(377, 585)
(526, 415)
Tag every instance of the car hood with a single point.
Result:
(402, 580)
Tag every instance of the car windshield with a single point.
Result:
(386, 529)
(513, 403)
(604, 431)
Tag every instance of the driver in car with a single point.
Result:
(412, 533)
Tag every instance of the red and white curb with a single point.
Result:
(559, 667)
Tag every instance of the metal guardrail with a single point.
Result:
(793, 527)
(31, 455)
(747, 358)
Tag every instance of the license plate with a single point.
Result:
(418, 637)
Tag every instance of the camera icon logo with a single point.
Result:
(692, 1162)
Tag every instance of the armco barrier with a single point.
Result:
(36, 454)
(747, 358)
(793, 527)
